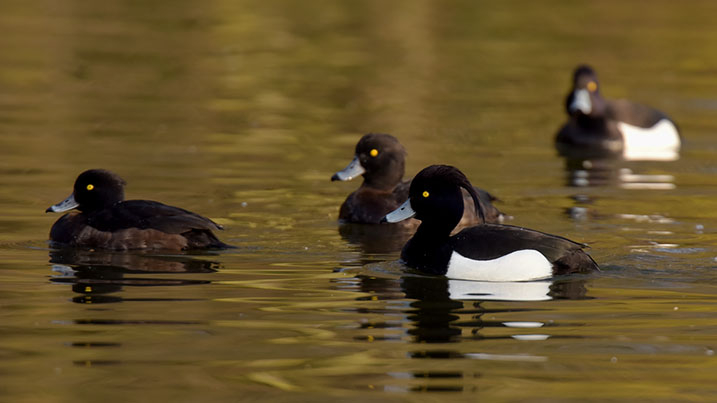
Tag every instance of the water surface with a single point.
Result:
(241, 111)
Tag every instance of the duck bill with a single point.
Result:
(581, 102)
(353, 170)
(67, 204)
(402, 213)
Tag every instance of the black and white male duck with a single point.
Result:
(107, 221)
(485, 252)
(603, 127)
(380, 159)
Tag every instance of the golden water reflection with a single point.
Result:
(241, 110)
(95, 275)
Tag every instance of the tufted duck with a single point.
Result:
(603, 127)
(107, 221)
(486, 252)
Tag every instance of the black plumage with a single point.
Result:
(380, 159)
(435, 197)
(107, 221)
(593, 126)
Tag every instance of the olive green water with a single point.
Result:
(242, 110)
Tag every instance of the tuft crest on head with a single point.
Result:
(583, 70)
(585, 77)
(452, 175)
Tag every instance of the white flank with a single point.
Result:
(499, 291)
(660, 142)
(521, 265)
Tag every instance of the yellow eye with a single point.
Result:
(592, 86)
(90, 186)
(425, 193)
(374, 152)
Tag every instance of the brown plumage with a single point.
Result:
(106, 221)
(380, 159)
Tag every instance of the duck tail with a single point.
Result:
(576, 261)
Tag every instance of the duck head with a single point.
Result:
(94, 189)
(584, 99)
(380, 158)
(436, 199)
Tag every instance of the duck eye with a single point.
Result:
(90, 186)
(425, 193)
(373, 152)
(592, 86)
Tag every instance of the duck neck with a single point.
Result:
(593, 123)
(429, 250)
(434, 230)
(93, 207)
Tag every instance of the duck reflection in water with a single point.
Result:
(375, 239)
(438, 304)
(441, 303)
(96, 274)
(438, 311)
(584, 174)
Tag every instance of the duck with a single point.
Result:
(381, 159)
(484, 252)
(105, 220)
(602, 127)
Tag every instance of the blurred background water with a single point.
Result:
(242, 110)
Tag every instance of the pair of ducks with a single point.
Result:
(486, 251)
(483, 250)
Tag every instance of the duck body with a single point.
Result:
(601, 127)
(485, 252)
(380, 159)
(490, 252)
(106, 221)
(368, 205)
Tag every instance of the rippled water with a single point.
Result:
(241, 111)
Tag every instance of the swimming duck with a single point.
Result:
(598, 126)
(485, 252)
(107, 221)
(380, 159)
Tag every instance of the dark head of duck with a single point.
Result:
(94, 189)
(584, 100)
(443, 200)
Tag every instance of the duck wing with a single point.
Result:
(147, 214)
(400, 192)
(488, 241)
(632, 113)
